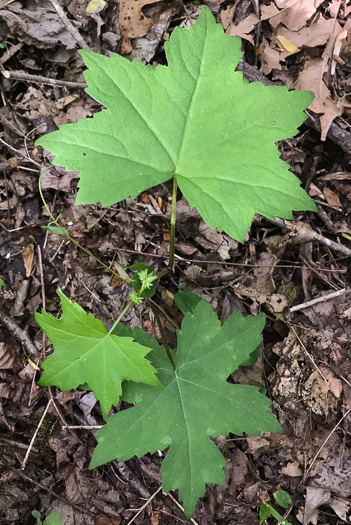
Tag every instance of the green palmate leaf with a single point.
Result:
(86, 353)
(196, 119)
(195, 403)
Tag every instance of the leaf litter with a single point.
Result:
(310, 412)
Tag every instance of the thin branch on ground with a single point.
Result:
(8, 54)
(19, 334)
(145, 505)
(226, 263)
(303, 236)
(181, 507)
(24, 462)
(308, 354)
(26, 77)
(20, 154)
(324, 443)
(321, 299)
(69, 26)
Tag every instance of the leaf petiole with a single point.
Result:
(173, 222)
(66, 234)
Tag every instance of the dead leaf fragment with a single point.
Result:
(292, 13)
(244, 28)
(342, 508)
(7, 356)
(331, 198)
(292, 469)
(33, 365)
(287, 45)
(28, 259)
(315, 497)
(311, 79)
(95, 6)
(132, 22)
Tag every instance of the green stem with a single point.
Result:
(173, 222)
(63, 231)
(125, 310)
(162, 274)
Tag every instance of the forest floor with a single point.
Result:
(305, 361)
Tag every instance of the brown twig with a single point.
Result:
(226, 263)
(324, 443)
(19, 334)
(318, 300)
(21, 75)
(11, 148)
(43, 295)
(8, 54)
(303, 236)
(24, 462)
(68, 25)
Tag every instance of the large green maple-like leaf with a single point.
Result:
(86, 353)
(196, 119)
(195, 403)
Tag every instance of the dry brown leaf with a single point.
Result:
(314, 35)
(342, 508)
(270, 58)
(155, 517)
(28, 259)
(292, 13)
(331, 197)
(315, 497)
(311, 79)
(116, 281)
(334, 8)
(132, 22)
(292, 469)
(244, 28)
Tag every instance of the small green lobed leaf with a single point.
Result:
(197, 119)
(265, 512)
(195, 403)
(86, 353)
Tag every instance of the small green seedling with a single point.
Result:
(53, 519)
(2, 282)
(199, 123)
(266, 510)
